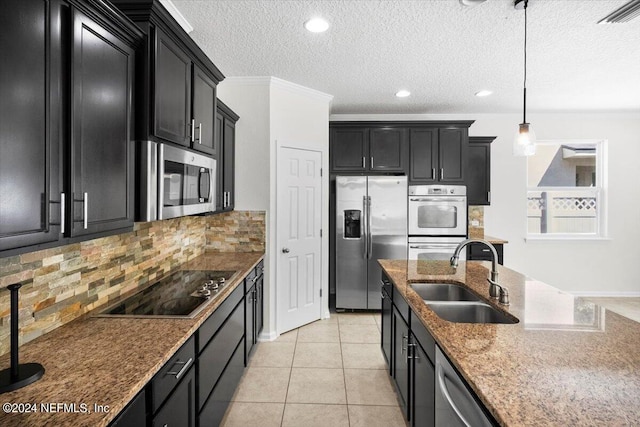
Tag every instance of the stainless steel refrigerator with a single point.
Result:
(371, 224)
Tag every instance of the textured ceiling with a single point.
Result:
(440, 50)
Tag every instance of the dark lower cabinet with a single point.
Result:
(180, 407)
(479, 252)
(253, 308)
(216, 354)
(102, 132)
(215, 407)
(135, 413)
(422, 386)
(400, 361)
(387, 315)
(249, 326)
(259, 301)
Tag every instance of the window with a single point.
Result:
(566, 190)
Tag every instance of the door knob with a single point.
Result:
(285, 250)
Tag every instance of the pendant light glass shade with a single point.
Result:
(525, 141)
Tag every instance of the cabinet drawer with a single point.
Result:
(250, 280)
(213, 323)
(477, 252)
(424, 337)
(215, 407)
(169, 376)
(260, 268)
(217, 353)
(179, 409)
(400, 304)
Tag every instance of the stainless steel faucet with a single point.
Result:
(495, 290)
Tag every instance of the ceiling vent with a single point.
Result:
(624, 14)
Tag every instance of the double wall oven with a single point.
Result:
(437, 220)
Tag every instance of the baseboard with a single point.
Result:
(267, 336)
(597, 294)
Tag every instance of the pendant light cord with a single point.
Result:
(524, 109)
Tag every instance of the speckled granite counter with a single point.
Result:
(567, 362)
(474, 234)
(107, 361)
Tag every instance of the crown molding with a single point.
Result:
(177, 15)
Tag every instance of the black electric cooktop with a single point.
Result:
(181, 294)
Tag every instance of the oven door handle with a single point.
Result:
(443, 199)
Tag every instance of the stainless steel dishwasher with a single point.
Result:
(455, 405)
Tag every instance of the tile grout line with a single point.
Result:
(286, 395)
(344, 375)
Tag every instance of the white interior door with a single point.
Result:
(299, 220)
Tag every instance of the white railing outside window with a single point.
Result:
(566, 193)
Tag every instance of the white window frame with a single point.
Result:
(600, 189)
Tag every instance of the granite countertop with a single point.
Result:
(479, 234)
(567, 361)
(107, 361)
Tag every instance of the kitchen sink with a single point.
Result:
(470, 312)
(443, 292)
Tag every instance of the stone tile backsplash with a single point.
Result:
(63, 283)
(476, 221)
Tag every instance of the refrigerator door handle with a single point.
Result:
(369, 237)
(364, 227)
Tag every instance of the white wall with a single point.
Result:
(595, 267)
(272, 111)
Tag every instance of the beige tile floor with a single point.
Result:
(328, 373)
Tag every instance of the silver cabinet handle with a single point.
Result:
(193, 129)
(285, 250)
(382, 295)
(441, 174)
(62, 210)
(413, 351)
(371, 162)
(489, 196)
(443, 387)
(200, 133)
(181, 371)
(363, 166)
(86, 210)
(433, 173)
(403, 347)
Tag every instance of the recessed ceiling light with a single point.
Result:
(483, 93)
(316, 25)
(403, 93)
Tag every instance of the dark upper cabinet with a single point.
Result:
(423, 155)
(224, 143)
(176, 81)
(438, 155)
(30, 180)
(478, 178)
(71, 133)
(101, 129)
(349, 149)
(172, 94)
(387, 150)
(427, 152)
(204, 112)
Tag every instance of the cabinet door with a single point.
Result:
(349, 149)
(387, 150)
(452, 154)
(217, 142)
(249, 322)
(134, 415)
(259, 304)
(423, 390)
(172, 91)
(204, 111)
(478, 174)
(423, 156)
(101, 129)
(29, 125)
(180, 408)
(387, 310)
(400, 361)
(229, 158)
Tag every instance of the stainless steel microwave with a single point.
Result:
(174, 182)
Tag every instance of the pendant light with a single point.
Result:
(525, 140)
